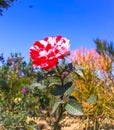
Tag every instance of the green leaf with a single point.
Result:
(37, 85)
(53, 84)
(74, 108)
(2, 82)
(57, 90)
(3, 85)
(78, 70)
(67, 85)
(92, 99)
(69, 91)
(57, 103)
(60, 90)
(79, 67)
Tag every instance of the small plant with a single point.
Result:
(51, 89)
(94, 86)
(45, 54)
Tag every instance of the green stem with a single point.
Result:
(56, 124)
(61, 107)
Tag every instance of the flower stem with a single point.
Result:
(61, 107)
(56, 124)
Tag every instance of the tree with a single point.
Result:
(102, 46)
(4, 4)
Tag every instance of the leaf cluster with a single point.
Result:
(4, 4)
(94, 93)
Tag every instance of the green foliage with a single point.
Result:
(69, 91)
(10, 120)
(75, 90)
(60, 86)
(94, 93)
(79, 70)
(60, 90)
(92, 99)
(4, 4)
(103, 46)
(16, 106)
(37, 86)
(56, 105)
(74, 108)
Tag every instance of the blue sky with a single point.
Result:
(81, 21)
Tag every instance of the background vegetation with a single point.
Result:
(26, 92)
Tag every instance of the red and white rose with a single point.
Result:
(45, 53)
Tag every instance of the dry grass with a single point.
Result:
(71, 123)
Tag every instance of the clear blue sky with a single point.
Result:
(81, 21)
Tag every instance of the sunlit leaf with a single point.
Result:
(37, 85)
(78, 70)
(69, 91)
(53, 84)
(92, 99)
(57, 103)
(74, 108)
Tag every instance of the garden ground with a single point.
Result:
(71, 123)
